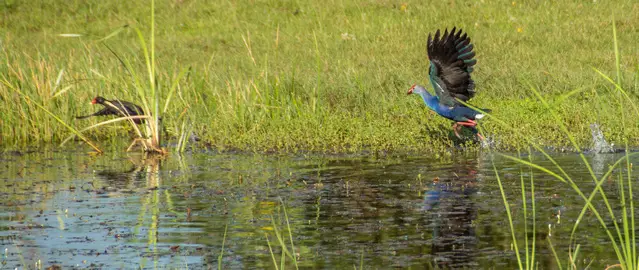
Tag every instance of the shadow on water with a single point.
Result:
(130, 211)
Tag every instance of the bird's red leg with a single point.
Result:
(481, 138)
(468, 124)
(456, 130)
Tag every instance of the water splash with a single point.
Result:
(600, 145)
(487, 142)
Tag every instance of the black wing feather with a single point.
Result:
(451, 57)
(126, 107)
(119, 108)
(104, 111)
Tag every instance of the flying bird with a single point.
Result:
(116, 107)
(451, 58)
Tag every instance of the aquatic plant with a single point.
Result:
(622, 233)
(287, 252)
(529, 248)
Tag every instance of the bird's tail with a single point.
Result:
(83, 116)
(481, 115)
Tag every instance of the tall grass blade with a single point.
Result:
(525, 210)
(617, 55)
(219, 258)
(534, 211)
(588, 200)
(184, 136)
(624, 220)
(554, 253)
(634, 263)
(290, 234)
(102, 124)
(562, 126)
(114, 33)
(319, 73)
(57, 82)
(270, 249)
(62, 91)
(620, 89)
(573, 257)
(73, 130)
(174, 87)
(281, 241)
(510, 218)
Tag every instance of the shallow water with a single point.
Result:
(123, 211)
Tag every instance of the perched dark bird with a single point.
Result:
(116, 107)
(451, 62)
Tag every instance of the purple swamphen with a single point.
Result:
(451, 62)
(116, 107)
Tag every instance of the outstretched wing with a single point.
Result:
(104, 111)
(122, 107)
(451, 62)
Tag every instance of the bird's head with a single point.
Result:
(416, 89)
(97, 100)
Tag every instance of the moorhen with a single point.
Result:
(116, 107)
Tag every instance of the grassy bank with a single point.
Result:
(329, 75)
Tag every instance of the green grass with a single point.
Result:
(317, 76)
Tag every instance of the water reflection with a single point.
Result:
(124, 179)
(449, 201)
(129, 211)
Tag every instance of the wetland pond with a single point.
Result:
(122, 211)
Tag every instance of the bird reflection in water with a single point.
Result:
(143, 173)
(452, 211)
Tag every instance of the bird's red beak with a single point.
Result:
(410, 91)
(93, 101)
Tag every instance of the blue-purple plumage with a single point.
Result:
(451, 59)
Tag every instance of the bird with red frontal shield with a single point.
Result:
(116, 107)
(451, 58)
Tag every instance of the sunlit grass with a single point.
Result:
(281, 76)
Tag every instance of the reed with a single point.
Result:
(528, 262)
(287, 251)
(622, 233)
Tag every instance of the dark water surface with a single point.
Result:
(123, 211)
